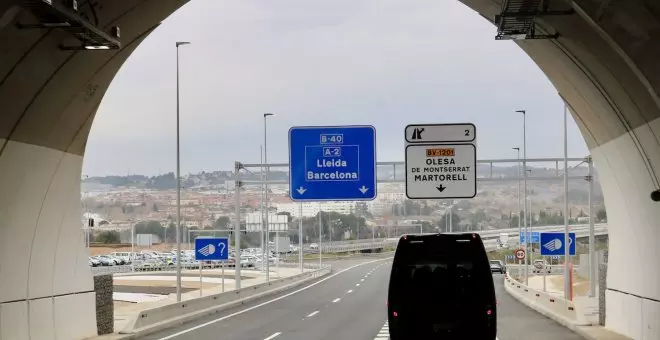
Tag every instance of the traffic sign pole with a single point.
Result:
(567, 284)
(544, 273)
(593, 261)
(237, 227)
(300, 242)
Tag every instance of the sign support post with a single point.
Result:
(211, 249)
(237, 226)
(544, 273)
(300, 242)
(593, 261)
(331, 163)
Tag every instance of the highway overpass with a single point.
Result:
(603, 63)
(490, 238)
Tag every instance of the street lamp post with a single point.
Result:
(178, 181)
(518, 212)
(266, 253)
(261, 175)
(524, 114)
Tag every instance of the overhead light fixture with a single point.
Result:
(90, 47)
(55, 24)
(63, 14)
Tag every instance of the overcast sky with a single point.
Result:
(386, 63)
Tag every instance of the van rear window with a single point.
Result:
(455, 267)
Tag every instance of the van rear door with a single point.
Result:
(441, 286)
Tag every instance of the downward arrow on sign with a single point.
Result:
(441, 188)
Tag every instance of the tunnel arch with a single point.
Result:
(604, 65)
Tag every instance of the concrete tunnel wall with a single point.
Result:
(48, 99)
(605, 65)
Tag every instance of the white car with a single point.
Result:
(314, 246)
(540, 266)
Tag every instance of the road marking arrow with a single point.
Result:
(441, 188)
(301, 190)
(363, 190)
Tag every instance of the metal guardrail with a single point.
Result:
(579, 229)
(155, 268)
(102, 270)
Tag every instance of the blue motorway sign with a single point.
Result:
(534, 237)
(332, 163)
(553, 244)
(207, 248)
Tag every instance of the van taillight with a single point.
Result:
(395, 314)
(489, 312)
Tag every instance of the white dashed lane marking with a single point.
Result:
(384, 333)
(312, 313)
(273, 336)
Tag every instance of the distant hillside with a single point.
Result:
(218, 178)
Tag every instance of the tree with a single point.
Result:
(171, 232)
(221, 223)
(108, 237)
(150, 227)
(154, 207)
(601, 215)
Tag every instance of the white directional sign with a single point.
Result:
(438, 171)
(441, 133)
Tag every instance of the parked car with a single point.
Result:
(103, 260)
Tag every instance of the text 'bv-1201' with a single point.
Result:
(441, 161)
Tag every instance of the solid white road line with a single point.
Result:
(336, 300)
(312, 314)
(187, 330)
(275, 335)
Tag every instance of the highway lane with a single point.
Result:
(348, 305)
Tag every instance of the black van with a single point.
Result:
(441, 288)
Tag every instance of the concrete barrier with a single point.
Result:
(552, 306)
(158, 318)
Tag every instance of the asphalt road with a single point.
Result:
(516, 321)
(348, 304)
